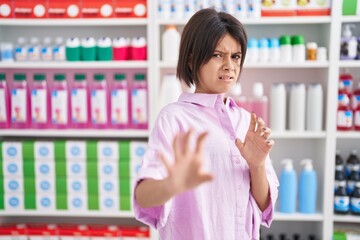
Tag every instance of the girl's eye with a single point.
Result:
(217, 55)
(237, 57)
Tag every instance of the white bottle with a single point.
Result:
(21, 50)
(34, 49)
(170, 44)
(59, 49)
(264, 52)
(170, 90)
(274, 50)
(241, 9)
(285, 49)
(349, 42)
(46, 50)
(179, 9)
(252, 52)
(278, 107)
(258, 102)
(254, 8)
(298, 48)
(314, 107)
(297, 107)
(164, 9)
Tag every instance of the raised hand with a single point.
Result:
(257, 144)
(186, 173)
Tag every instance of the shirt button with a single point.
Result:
(222, 110)
(237, 161)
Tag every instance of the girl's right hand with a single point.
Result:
(186, 173)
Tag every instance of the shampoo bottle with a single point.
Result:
(170, 44)
(288, 187)
(307, 187)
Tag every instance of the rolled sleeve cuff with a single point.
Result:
(268, 214)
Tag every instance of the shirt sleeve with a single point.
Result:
(160, 141)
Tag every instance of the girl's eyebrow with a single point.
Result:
(224, 52)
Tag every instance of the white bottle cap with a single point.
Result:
(106, 10)
(138, 42)
(104, 42)
(73, 42)
(307, 163)
(59, 40)
(39, 10)
(121, 42)
(288, 164)
(73, 10)
(347, 31)
(21, 40)
(47, 40)
(34, 40)
(311, 45)
(258, 89)
(88, 42)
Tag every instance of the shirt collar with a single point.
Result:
(207, 100)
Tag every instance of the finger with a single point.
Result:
(239, 144)
(252, 125)
(260, 125)
(267, 132)
(200, 142)
(206, 177)
(165, 162)
(270, 143)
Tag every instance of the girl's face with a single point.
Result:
(221, 72)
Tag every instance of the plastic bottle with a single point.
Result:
(20, 113)
(346, 84)
(351, 161)
(120, 103)
(236, 94)
(241, 9)
(298, 48)
(104, 49)
(314, 107)
(348, 47)
(254, 8)
(59, 50)
(39, 102)
(264, 52)
(341, 199)
(139, 102)
(138, 50)
(258, 103)
(321, 54)
(288, 187)
(6, 52)
(4, 102)
(46, 50)
(252, 53)
(311, 51)
(72, 49)
(339, 170)
(353, 179)
(356, 100)
(344, 114)
(79, 102)
(121, 48)
(170, 90)
(99, 102)
(21, 50)
(88, 49)
(285, 49)
(170, 44)
(307, 187)
(355, 200)
(34, 49)
(274, 48)
(297, 105)
(60, 114)
(278, 107)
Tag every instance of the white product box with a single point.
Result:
(13, 185)
(109, 202)
(76, 168)
(108, 169)
(45, 185)
(14, 202)
(44, 168)
(108, 186)
(44, 150)
(77, 202)
(137, 150)
(76, 185)
(45, 202)
(12, 151)
(13, 168)
(75, 150)
(107, 150)
(135, 167)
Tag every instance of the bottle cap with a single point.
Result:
(99, 77)
(47, 40)
(138, 42)
(2, 76)
(121, 42)
(59, 77)
(274, 43)
(79, 77)
(104, 42)
(139, 77)
(285, 40)
(288, 164)
(119, 76)
(307, 163)
(347, 30)
(258, 89)
(311, 45)
(19, 77)
(39, 77)
(297, 40)
(34, 40)
(88, 42)
(252, 43)
(59, 40)
(73, 42)
(263, 43)
(21, 40)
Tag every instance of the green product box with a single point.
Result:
(349, 7)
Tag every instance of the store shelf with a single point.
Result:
(347, 219)
(299, 135)
(88, 133)
(75, 65)
(74, 22)
(348, 135)
(307, 64)
(349, 63)
(263, 20)
(99, 214)
(300, 217)
(348, 19)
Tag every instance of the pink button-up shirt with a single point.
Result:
(223, 208)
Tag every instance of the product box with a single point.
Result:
(104, 232)
(13, 168)
(14, 202)
(44, 150)
(137, 150)
(108, 169)
(75, 150)
(131, 233)
(13, 231)
(130, 9)
(278, 8)
(77, 202)
(13, 185)
(63, 9)
(12, 151)
(109, 186)
(6, 9)
(30, 9)
(42, 232)
(109, 202)
(107, 150)
(45, 185)
(44, 168)
(350, 7)
(75, 168)
(97, 9)
(72, 232)
(45, 202)
(313, 7)
(76, 186)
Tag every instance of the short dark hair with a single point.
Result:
(200, 37)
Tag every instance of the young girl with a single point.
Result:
(207, 173)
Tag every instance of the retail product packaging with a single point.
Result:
(350, 7)
(63, 9)
(30, 9)
(313, 7)
(97, 9)
(6, 9)
(275, 8)
(104, 49)
(11, 231)
(130, 8)
(42, 231)
(139, 102)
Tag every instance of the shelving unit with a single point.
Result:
(320, 146)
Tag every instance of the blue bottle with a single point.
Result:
(288, 187)
(308, 187)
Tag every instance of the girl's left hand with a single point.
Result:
(257, 144)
